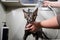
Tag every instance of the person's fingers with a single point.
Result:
(45, 3)
(29, 25)
(27, 28)
(32, 29)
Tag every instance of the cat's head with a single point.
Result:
(29, 15)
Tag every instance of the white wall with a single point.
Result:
(15, 23)
(2, 17)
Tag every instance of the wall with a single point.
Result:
(15, 23)
(2, 17)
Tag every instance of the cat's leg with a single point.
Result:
(26, 34)
(44, 35)
(39, 34)
(36, 37)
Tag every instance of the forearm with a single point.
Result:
(55, 4)
(50, 23)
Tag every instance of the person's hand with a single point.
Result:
(46, 3)
(32, 27)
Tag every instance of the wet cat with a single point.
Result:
(31, 17)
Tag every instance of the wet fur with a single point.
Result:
(38, 33)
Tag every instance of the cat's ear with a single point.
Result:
(35, 12)
(25, 13)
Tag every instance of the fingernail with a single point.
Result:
(28, 25)
(26, 28)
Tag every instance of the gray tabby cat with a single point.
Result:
(31, 17)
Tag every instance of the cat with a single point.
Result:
(31, 17)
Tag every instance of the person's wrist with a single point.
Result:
(46, 3)
(39, 25)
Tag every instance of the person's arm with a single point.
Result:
(50, 23)
(53, 4)
(53, 22)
